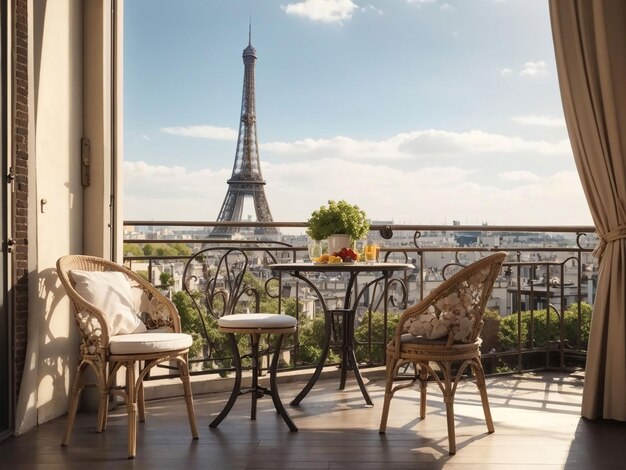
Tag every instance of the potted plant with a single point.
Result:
(339, 222)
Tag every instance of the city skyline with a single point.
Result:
(418, 111)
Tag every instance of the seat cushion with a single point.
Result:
(147, 343)
(110, 292)
(408, 338)
(257, 320)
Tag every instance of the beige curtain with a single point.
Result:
(590, 45)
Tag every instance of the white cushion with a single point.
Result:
(257, 320)
(110, 292)
(146, 343)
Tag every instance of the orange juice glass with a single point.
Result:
(371, 252)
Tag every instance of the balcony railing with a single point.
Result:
(540, 308)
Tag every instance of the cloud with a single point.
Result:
(433, 142)
(420, 2)
(326, 11)
(426, 143)
(370, 7)
(536, 120)
(446, 6)
(203, 132)
(339, 147)
(506, 71)
(145, 170)
(427, 195)
(519, 176)
(172, 192)
(145, 137)
(534, 68)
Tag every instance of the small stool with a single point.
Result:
(255, 325)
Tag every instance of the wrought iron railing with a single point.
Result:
(540, 303)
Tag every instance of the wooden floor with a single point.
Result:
(536, 417)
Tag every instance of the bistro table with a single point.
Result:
(348, 312)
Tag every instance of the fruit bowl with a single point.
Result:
(344, 256)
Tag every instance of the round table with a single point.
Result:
(348, 312)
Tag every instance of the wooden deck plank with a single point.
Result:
(537, 420)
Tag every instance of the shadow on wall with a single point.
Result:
(51, 355)
(57, 349)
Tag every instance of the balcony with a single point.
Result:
(540, 307)
(537, 421)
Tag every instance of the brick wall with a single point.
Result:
(20, 195)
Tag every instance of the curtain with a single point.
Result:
(590, 47)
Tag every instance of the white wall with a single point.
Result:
(69, 98)
(54, 153)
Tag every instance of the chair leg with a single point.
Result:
(389, 374)
(479, 372)
(131, 403)
(278, 404)
(183, 367)
(254, 346)
(104, 375)
(236, 387)
(450, 417)
(141, 404)
(448, 399)
(423, 378)
(73, 403)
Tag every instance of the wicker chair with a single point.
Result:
(444, 328)
(105, 353)
(215, 279)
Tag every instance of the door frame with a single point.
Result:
(7, 359)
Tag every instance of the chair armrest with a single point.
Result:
(94, 335)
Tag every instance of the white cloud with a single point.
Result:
(430, 142)
(426, 143)
(427, 195)
(435, 142)
(339, 147)
(145, 137)
(421, 2)
(536, 120)
(203, 132)
(506, 71)
(520, 175)
(534, 68)
(146, 170)
(370, 7)
(446, 6)
(326, 11)
(153, 191)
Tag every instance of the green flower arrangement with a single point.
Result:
(338, 218)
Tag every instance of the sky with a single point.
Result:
(418, 111)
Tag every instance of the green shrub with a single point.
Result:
(311, 339)
(361, 334)
(535, 332)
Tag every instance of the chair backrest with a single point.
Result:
(157, 310)
(215, 279)
(456, 307)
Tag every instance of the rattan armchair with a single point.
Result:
(106, 353)
(444, 329)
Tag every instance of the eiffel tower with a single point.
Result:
(246, 180)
